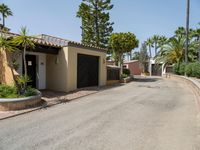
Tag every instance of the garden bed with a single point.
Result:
(8, 104)
(126, 80)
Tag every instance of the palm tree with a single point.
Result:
(156, 39)
(172, 52)
(149, 43)
(180, 32)
(162, 41)
(24, 41)
(5, 11)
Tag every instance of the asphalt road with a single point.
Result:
(150, 114)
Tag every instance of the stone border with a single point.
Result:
(8, 104)
(126, 80)
(194, 83)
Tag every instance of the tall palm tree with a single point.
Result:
(24, 41)
(149, 43)
(162, 41)
(180, 32)
(5, 11)
(156, 39)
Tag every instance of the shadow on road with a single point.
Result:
(146, 79)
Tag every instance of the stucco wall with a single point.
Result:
(134, 67)
(62, 68)
(72, 66)
(40, 68)
(6, 76)
(56, 71)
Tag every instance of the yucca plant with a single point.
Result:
(22, 84)
(24, 41)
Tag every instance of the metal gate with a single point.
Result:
(87, 71)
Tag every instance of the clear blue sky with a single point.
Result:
(142, 17)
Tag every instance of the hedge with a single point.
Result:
(126, 71)
(191, 69)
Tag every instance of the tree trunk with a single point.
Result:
(25, 67)
(155, 48)
(150, 51)
(3, 17)
(121, 63)
(96, 24)
(130, 55)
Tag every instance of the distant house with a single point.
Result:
(133, 66)
(156, 69)
(59, 64)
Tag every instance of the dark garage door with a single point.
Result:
(87, 71)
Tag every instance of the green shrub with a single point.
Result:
(124, 76)
(196, 70)
(189, 70)
(179, 69)
(11, 92)
(182, 69)
(8, 91)
(126, 71)
(175, 69)
(30, 92)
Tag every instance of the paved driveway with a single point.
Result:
(150, 114)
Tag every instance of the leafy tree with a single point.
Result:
(136, 56)
(24, 41)
(96, 27)
(122, 43)
(5, 11)
(143, 57)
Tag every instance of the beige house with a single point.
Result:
(60, 65)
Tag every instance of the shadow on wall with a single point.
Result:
(6, 75)
(2, 67)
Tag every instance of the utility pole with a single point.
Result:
(187, 31)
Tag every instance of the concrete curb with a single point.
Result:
(46, 106)
(54, 103)
(195, 84)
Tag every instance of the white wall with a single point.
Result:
(40, 69)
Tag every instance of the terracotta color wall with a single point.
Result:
(134, 68)
(5, 71)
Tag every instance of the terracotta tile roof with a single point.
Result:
(131, 61)
(48, 40)
(63, 42)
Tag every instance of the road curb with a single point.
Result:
(46, 106)
(195, 84)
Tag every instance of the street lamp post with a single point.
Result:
(187, 30)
